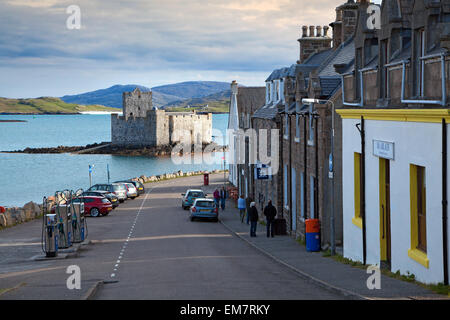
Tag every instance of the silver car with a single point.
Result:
(132, 191)
(120, 191)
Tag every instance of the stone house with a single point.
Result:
(142, 125)
(307, 128)
(395, 140)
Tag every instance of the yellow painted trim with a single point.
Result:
(357, 222)
(413, 205)
(420, 257)
(414, 253)
(403, 115)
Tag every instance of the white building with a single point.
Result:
(404, 184)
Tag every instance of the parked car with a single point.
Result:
(204, 209)
(139, 186)
(190, 196)
(131, 190)
(95, 206)
(101, 193)
(116, 188)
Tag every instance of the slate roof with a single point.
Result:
(345, 54)
(268, 112)
(329, 85)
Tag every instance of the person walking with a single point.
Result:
(248, 201)
(223, 197)
(216, 196)
(242, 207)
(270, 212)
(253, 216)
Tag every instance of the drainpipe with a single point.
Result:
(305, 163)
(444, 201)
(361, 130)
(290, 173)
(443, 100)
(361, 101)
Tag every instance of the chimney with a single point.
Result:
(313, 42)
(345, 24)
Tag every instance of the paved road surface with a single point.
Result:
(149, 249)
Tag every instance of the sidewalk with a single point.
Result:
(324, 271)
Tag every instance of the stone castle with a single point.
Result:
(143, 125)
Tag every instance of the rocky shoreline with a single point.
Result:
(107, 148)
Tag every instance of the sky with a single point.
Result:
(148, 42)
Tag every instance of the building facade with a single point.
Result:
(395, 140)
(142, 125)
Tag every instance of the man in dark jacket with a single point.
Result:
(253, 217)
(270, 212)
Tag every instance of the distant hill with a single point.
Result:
(216, 102)
(162, 95)
(193, 89)
(112, 97)
(46, 105)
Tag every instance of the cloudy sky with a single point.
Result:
(148, 42)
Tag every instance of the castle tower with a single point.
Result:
(136, 104)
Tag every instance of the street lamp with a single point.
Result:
(331, 169)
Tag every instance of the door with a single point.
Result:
(385, 214)
(294, 200)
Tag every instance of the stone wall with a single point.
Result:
(132, 132)
(16, 215)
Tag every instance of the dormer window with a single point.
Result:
(267, 92)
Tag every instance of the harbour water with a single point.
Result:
(29, 177)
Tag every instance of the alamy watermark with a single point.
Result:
(74, 280)
(73, 22)
(374, 281)
(244, 146)
(374, 19)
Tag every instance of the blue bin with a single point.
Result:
(313, 242)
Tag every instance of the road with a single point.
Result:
(147, 248)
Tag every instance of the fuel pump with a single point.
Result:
(64, 217)
(78, 219)
(49, 238)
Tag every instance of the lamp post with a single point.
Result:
(331, 169)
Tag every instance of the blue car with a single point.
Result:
(189, 197)
(204, 209)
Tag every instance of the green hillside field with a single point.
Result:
(46, 105)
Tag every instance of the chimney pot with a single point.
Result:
(325, 31)
(311, 31)
(318, 31)
(304, 31)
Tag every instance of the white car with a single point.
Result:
(131, 190)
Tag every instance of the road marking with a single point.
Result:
(122, 252)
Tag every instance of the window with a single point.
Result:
(286, 126)
(357, 219)
(419, 65)
(311, 126)
(297, 128)
(302, 195)
(418, 251)
(313, 196)
(285, 186)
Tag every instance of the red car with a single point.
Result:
(95, 206)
